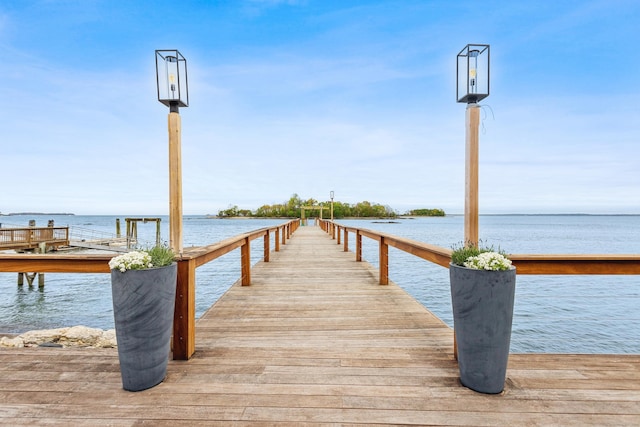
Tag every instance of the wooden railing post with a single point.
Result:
(346, 240)
(338, 242)
(184, 317)
(358, 246)
(284, 234)
(276, 239)
(384, 262)
(267, 237)
(245, 260)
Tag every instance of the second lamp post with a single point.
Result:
(472, 86)
(171, 81)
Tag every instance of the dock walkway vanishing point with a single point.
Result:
(316, 341)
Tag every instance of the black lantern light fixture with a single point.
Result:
(171, 79)
(473, 73)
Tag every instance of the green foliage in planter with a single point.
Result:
(161, 256)
(463, 253)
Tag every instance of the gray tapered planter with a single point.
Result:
(482, 314)
(143, 306)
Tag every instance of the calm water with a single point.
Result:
(556, 314)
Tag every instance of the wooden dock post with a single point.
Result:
(30, 278)
(471, 209)
(384, 262)
(184, 318)
(346, 240)
(267, 244)
(175, 183)
(245, 256)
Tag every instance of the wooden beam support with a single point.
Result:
(184, 317)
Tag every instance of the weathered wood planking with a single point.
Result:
(314, 340)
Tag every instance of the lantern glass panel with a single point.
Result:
(171, 78)
(473, 73)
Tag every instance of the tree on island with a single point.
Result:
(292, 208)
(426, 212)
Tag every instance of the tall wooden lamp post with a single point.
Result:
(331, 193)
(472, 86)
(173, 91)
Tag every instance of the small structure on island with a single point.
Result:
(303, 219)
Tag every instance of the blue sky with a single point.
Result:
(311, 96)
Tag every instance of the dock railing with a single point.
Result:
(547, 264)
(32, 237)
(192, 258)
(184, 317)
(550, 264)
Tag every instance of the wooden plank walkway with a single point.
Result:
(316, 341)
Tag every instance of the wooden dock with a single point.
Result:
(315, 340)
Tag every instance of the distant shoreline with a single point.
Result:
(35, 213)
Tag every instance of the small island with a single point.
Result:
(425, 212)
(293, 209)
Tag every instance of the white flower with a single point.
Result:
(488, 261)
(135, 260)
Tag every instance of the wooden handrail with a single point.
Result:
(525, 264)
(184, 316)
(55, 263)
(551, 264)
